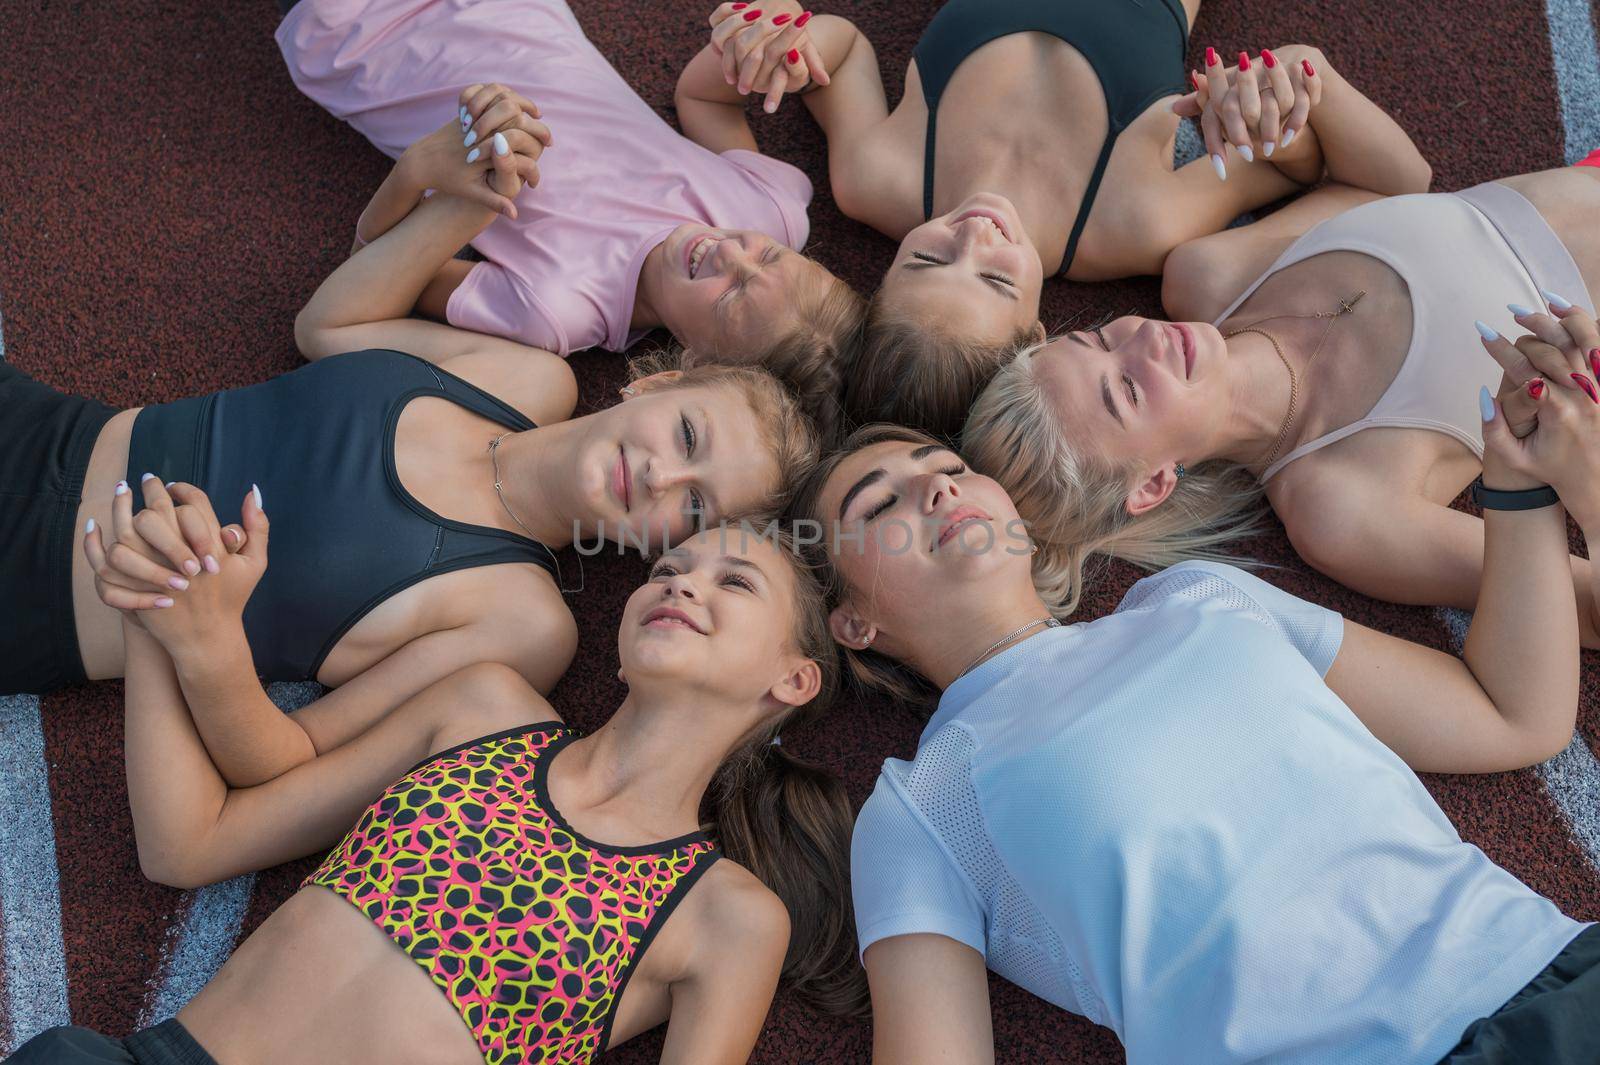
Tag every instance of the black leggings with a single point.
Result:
(168, 1043)
(46, 438)
(1551, 1021)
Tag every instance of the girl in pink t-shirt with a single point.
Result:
(631, 226)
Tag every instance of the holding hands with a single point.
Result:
(486, 153)
(171, 568)
(766, 48)
(1544, 427)
(1262, 102)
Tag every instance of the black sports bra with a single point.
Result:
(1135, 47)
(346, 535)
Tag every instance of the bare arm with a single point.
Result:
(720, 1004)
(192, 828)
(930, 1002)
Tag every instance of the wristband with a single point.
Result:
(1522, 499)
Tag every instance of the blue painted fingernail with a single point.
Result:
(1288, 137)
(472, 156)
(1486, 331)
(1519, 310)
(1558, 302)
(1485, 404)
(1247, 152)
(472, 138)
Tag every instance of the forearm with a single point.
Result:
(396, 198)
(384, 280)
(1358, 142)
(247, 737)
(1522, 646)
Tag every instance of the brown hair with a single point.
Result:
(868, 669)
(919, 376)
(789, 822)
(788, 431)
(1076, 506)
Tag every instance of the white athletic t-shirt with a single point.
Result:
(1164, 820)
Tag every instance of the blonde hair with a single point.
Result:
(789, 432)
(1077, 508)
(912, 374)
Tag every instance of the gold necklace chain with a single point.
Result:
(494, 462)
(1345, 306)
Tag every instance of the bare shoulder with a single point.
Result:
(1332, 506)
(483, 699)
(538, 384)
(739, 914)
(876, 177)
(519, 618)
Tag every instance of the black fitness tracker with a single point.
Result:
(1522, 499)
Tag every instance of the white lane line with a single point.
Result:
(1577, 64)
(35, 972)
(1572, 778)
(210, 919)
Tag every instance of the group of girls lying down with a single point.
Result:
(1196, 821)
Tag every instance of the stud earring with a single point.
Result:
(1035, 550)
(626, 390)
(1179, 472)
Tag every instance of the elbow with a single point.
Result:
(1418, 175)
(1549, 743)
(171, 867)
(309, 336)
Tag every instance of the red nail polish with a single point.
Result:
(1305, 65)
(794, 55)
(1587, 386)
(1244, 60)
(1536, 388)
(1268, 58)
(805, 17)
(753, 14)
(1211, 56)
(1194, 79)
(740, 7)
(780, 20)
(1594, 362)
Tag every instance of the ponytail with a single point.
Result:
(789, 823)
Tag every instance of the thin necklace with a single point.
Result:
(1048, 623)
(494, 461)
(1345, 306)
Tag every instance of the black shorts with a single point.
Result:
(46, 438)
(1554, 1020)
(168, 1043)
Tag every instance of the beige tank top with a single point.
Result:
(1463, 256)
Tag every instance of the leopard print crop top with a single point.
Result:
(528, 928)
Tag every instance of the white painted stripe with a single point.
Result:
(35, 969)
(1572, 777)
(1577, 63)
(211, 917)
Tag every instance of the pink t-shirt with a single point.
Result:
(617, 180)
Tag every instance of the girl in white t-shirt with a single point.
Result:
(1197, 820)
(624, 227)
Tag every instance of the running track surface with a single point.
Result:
(170, 201)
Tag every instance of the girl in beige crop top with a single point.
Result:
(1330, 358)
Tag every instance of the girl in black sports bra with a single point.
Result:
(1034, 137)
(405, 545)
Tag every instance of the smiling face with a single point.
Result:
(725, 292)
(719, 612)
(667, 462)
(972, 271)
(911, 530)
(1137, 394)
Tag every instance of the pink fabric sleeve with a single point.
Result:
(490, 300)
(787, 185)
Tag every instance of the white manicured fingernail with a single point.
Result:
(1266, 148)
(1486, 331)
(1288, 135)
(1485, 404)
(1519, 310)
(256, 492)
(191, 567)
(472, 138)
(88, 527)
(769, 107)
(211, 565)
(501, 145)
(171, 483)
(1220, 167)
(1248, 153)
(472, 156)
(147, 477)
(122, 488)
(163, 602)
(178, 582)
(1555, 301)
